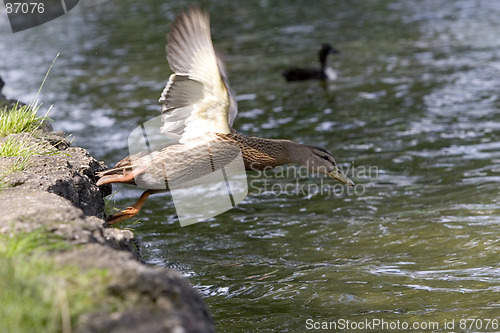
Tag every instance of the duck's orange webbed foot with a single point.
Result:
(129, 212)
(125, 214)
(114, 178)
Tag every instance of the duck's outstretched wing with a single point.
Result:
(197, 98)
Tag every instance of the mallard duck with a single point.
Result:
(323, 73)
(198, 110)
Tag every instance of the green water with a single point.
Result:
(414, 115)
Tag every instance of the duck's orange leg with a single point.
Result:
(125, 178)
(129, 211)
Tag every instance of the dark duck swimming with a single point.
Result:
(323, 73)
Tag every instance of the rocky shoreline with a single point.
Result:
(57, 193)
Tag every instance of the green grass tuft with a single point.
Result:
(20, 148)
(18, 119)
(15, 119)
(37, 295)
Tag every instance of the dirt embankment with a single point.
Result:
(57, 192)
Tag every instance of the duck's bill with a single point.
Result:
(341, 177)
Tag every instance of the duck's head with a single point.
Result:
(327, 48)
(317, 160)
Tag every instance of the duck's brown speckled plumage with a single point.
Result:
(258, 154)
